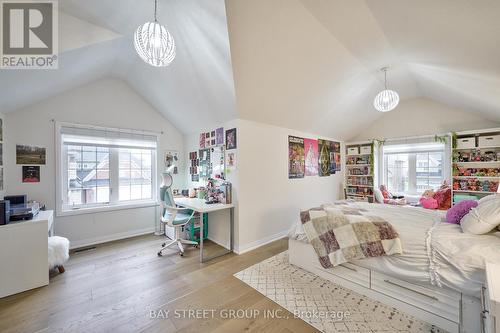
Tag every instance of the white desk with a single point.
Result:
(24, 258)
(199, 205)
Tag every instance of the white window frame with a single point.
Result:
(381, 163)
(412, 170)
(114, 202)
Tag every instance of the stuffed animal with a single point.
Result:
(427, 200)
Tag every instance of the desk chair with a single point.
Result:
(174, 216)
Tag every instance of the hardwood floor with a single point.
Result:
(115, 287)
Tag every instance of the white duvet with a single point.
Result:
(434, 252)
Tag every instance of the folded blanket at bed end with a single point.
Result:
(343, 232)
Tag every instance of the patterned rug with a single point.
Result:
(323, 304)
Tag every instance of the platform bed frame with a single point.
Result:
(442, 307)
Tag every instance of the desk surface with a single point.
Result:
(43, 215)
(200, 206)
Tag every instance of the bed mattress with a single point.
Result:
(434, 252)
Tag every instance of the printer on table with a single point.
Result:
(20, 208)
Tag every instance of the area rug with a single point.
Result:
(323, 304)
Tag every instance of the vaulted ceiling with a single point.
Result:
(311, 65)
(314, 64)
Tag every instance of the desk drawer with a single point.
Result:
(351, 273)
(441, 302)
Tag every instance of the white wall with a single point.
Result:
(269, 202)
(2, 190)
(218, 227)
(107, 102)
(421, 116)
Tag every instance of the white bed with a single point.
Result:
(438, 262)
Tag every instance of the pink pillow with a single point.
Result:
(455, 213)
(429, 203)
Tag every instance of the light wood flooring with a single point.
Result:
(114, 287)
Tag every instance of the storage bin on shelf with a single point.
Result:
(193, 229)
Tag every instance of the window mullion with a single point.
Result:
(114, 175)
(412, 173)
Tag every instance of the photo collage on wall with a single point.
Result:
(311, 157)
(31, 157)
(213, 149)
(193, 167)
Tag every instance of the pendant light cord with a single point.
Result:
(385, 78)
(156, 6)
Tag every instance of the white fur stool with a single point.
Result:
(58, 252)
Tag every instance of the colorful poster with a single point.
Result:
(311, 157)
(296, 163)
(324, 157)
(219, 136)
(335, 157)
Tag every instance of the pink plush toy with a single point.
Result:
(427, 200)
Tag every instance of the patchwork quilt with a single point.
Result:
(342, 232)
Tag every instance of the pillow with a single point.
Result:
(488, 198)
(379, 197)
(443, 197)
(429, 203)
(482, 219)
(455, 213)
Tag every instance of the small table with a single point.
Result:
(24, 258)
(199, 205)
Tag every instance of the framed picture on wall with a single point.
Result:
(231, 139)
(31, 174)
(32, 155)
(171, 158)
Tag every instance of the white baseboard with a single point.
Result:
(109, 238)
(261, 242)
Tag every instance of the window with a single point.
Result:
(413, 168)
(101, 168)
(135, 174)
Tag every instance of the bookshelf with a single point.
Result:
(475, 164)
(359, 178)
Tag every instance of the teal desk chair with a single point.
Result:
(173, 216)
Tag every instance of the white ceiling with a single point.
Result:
(311, 65)
(314, 64)
(194, 92)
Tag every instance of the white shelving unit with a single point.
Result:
(359, 178)
(475, 164)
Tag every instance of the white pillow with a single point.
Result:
(488, 198)
(379, 197)
(484, 218)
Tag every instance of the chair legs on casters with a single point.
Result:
(179, 241)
